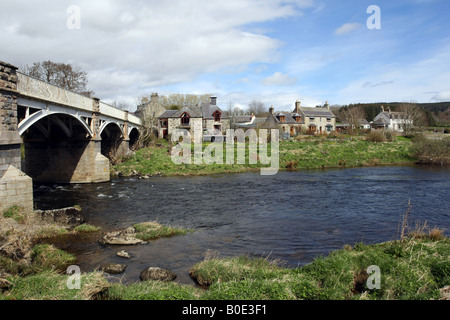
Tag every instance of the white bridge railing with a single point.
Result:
(41, 90)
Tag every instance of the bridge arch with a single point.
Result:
(105, 125)
(39, 115)
(133, 135)
(59, 148)
(112, 139)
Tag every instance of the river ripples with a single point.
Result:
(292, 216)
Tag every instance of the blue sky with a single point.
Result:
(271, 50)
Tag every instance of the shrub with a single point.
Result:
(292, 165)
(376, 136)
(431, 151)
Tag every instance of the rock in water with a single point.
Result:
(122, 237)
(158, 274)
(123, 254)
(114, 268)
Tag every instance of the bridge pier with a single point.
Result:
(65, 136)
(16, 188)
(66, 161)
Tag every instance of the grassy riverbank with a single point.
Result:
(307, 153)
(416, 268)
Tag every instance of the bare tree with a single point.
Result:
(412, 117)
(353, 116)
(257, 108)
(122, 105)
(179, 100)
(60, 74)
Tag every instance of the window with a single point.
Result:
(282, 118)
(216, 116)
(185, 119)
(298, 118)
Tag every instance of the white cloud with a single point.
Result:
(414, 81)
(129, 46)
(442, 96)
(279, 79)
(346, 28)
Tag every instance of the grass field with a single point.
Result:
(294, 154)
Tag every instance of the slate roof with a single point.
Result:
(317, 112)
(208, 110)
(167, 114)
(242, 119)
(289, 117)
(205, 111)
(192, 112)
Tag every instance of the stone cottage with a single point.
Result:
(289, 123)
(207, 118)
(319, 120)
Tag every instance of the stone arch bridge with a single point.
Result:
(64, 137)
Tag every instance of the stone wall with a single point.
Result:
(16, 189)
(9, 136)
(9, 155)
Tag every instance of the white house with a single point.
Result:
(388, 120)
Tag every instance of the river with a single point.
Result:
(292, 216)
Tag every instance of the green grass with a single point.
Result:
(414, 269)
(48, 257)
(86, 228)
(152, 290)
(327, 153)
(50, 285)
(152, 230)
(308, 153)
(17, 213)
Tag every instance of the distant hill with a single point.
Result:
(438, 113)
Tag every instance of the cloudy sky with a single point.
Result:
(239, 50)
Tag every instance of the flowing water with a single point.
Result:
(292, 216)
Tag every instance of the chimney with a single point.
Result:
(271, 110)
(297, 106)
(213, 101)
(382, 108)
(154, 97)
(327, 105)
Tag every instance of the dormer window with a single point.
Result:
(282, 117)
(185, 119)
(298, 119)
(216, 116)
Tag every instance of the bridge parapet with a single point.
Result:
(43, 91)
